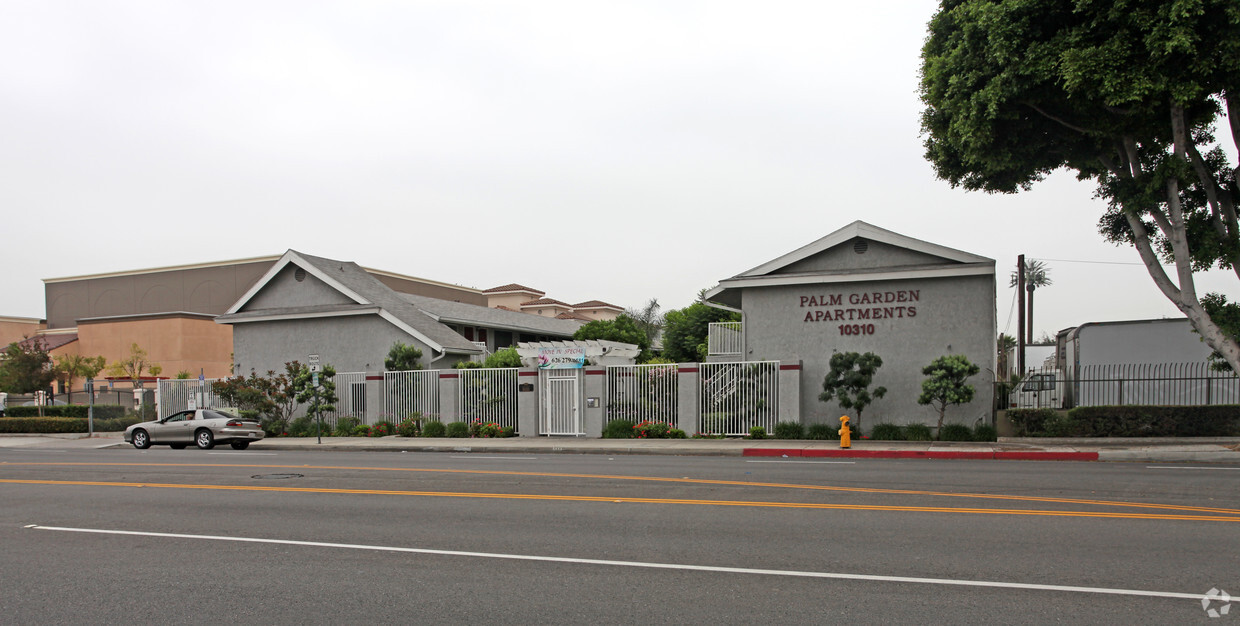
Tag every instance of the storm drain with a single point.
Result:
(275, 476)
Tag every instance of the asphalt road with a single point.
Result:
(302, 537)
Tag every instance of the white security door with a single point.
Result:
(561, 392)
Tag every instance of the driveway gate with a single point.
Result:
(560, 396)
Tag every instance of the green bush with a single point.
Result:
(917, 432)
(410, 427)
(434, 428)
(650, 429)
(619, 429)
(757, 432)
(886, 432)
(1154, 421)
(676, 433)
(457, 429)
(382, 428)
(64, 424)
(955, 432)
(345, 425)
(1030, 422)
(305, 426)
(822, 431)
(985, 432)
(789, 430)
(102, 411)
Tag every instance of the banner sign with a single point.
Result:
(561, 358)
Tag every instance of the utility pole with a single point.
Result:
(1020, 315)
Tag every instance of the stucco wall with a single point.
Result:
(194, 345)
(15, 329)
(925, 319)
(876, 255)
(349, 344)
(198, 290)
(284, 290)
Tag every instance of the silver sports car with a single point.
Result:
(202, 427)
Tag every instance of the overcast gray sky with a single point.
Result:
(618, 151)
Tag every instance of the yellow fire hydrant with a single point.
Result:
(845, 433)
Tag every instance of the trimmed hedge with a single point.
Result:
(36, 425)
(1154, 421)
(102, 411)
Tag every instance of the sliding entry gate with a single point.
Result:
(560, 398)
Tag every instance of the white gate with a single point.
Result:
(643, 393)
(738, 396)
(406, 393)
(174, 395)
(560, 400)
(489, 395)
(350, 396)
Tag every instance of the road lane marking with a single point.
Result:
(1190, 468)
(245, 453)
(699, 481)
(809, 462)
(501, 458)
(645, 564)
(632, 500)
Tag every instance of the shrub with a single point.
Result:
(457, 429)
(382, 429)
(102, 411)
(1029, 422)
(618, 429)
(346, 425)
(985, 432)
(306, 426)
(886, 432)
(650, 429)
(676, 433)
(409, 427)
(789, 430)
(434, 428)
(757, 432)
(360, 430)
(488, 430)
(822, 431)
(1156, 421)
(955, 432)
(917, 432)
(63, 424)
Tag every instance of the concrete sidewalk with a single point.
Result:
(1196, 450)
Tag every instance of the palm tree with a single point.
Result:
(1036, 275)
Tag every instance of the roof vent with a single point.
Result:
(299, 275)
(860, 246)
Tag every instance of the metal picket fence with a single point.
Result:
(409, 392)
(173, 395)
(350, 397)
(738, 396)
(642, 393)
(489, 395)
(1180, 384)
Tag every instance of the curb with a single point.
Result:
(923, 454)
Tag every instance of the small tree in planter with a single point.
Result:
(945, 383)
(849, 381)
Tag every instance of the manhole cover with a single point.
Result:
(275, 476)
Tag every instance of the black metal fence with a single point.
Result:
(1162, 384)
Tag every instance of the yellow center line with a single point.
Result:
(699, 481)
(625, 500)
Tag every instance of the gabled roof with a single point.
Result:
(50, 341)
(514, 288)
(572, 315)
(596, 304)
(369, 295)
(956, 263)
(546, 302)
(445, 311)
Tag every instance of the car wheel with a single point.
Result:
(240, 445)
(204, 439)
(177, 446)
(141, 440)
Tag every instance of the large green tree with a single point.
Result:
(946, 383)
(25, 367)
(1126, 93)
(70, 367)
(685, 330)
(622, 329)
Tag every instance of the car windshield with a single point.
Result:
(214, 415)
